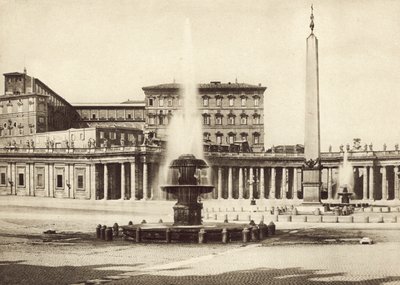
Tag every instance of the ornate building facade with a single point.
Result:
(232, 112)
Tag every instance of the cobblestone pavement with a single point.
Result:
(298, 254)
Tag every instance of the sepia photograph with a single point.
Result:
(199, 142)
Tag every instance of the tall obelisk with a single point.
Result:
(312, 166)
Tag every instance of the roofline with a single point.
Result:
(120, 105)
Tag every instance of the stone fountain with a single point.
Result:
(187, 211)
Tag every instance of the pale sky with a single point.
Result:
(105, 51)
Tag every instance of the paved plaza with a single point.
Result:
(300, 253)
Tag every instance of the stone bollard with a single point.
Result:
(109, 234)
(143, 222)
(317, 212)
(130, 223)
(98, 231)
(224, 235)
(116, 230)
(271, 228)
(202, 236)
(103, 232)
(263, 230)
(254, 233)
(168, 235)
(138, 237)
(245, 235)
(226, 219)
(160, 221)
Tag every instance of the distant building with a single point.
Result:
(29, 106)
(232, 112)
(126, 114)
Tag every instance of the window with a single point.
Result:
(93, 116)
(205, 101)
(102, 135)
(243, 120)
(151, 120)
(206, 136)
(219, 139)
(243, 101)
(256, 101)
(256, 139)
(129, 116)
(256, 119)
(161, 102)
(244, 136)
(60, 181)
(3, 174)
(231, 138)
(231, 102)
(151, 102)
(206, 119)
(161, 120)
(21, 131)
(231, 120)
(169, 102)
(219, 101)
(113, 135)
(80, 184)
(218, 119)
(21, 179)
(39, 180)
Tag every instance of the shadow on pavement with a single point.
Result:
(14, 272)
(260, 276)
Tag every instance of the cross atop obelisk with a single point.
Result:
(311, 170)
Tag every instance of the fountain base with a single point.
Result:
(185, 215)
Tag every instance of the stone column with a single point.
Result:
(72, 180)
(145, 184)
(262, 183)
(284, 183)
(272, 184)
(122, 181)
(51, 180)
(105, 181)
(251, 183)
(219, 186)
(295, 197)
(371, 183)
(384, 183)
(365, 183)
(240, 183)
(93, 182)
(396, 182)
(14, 179)
(230, 190)
(46, 180)
(31, 178)
(329, 184)
(133, 181)
(87, 182)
